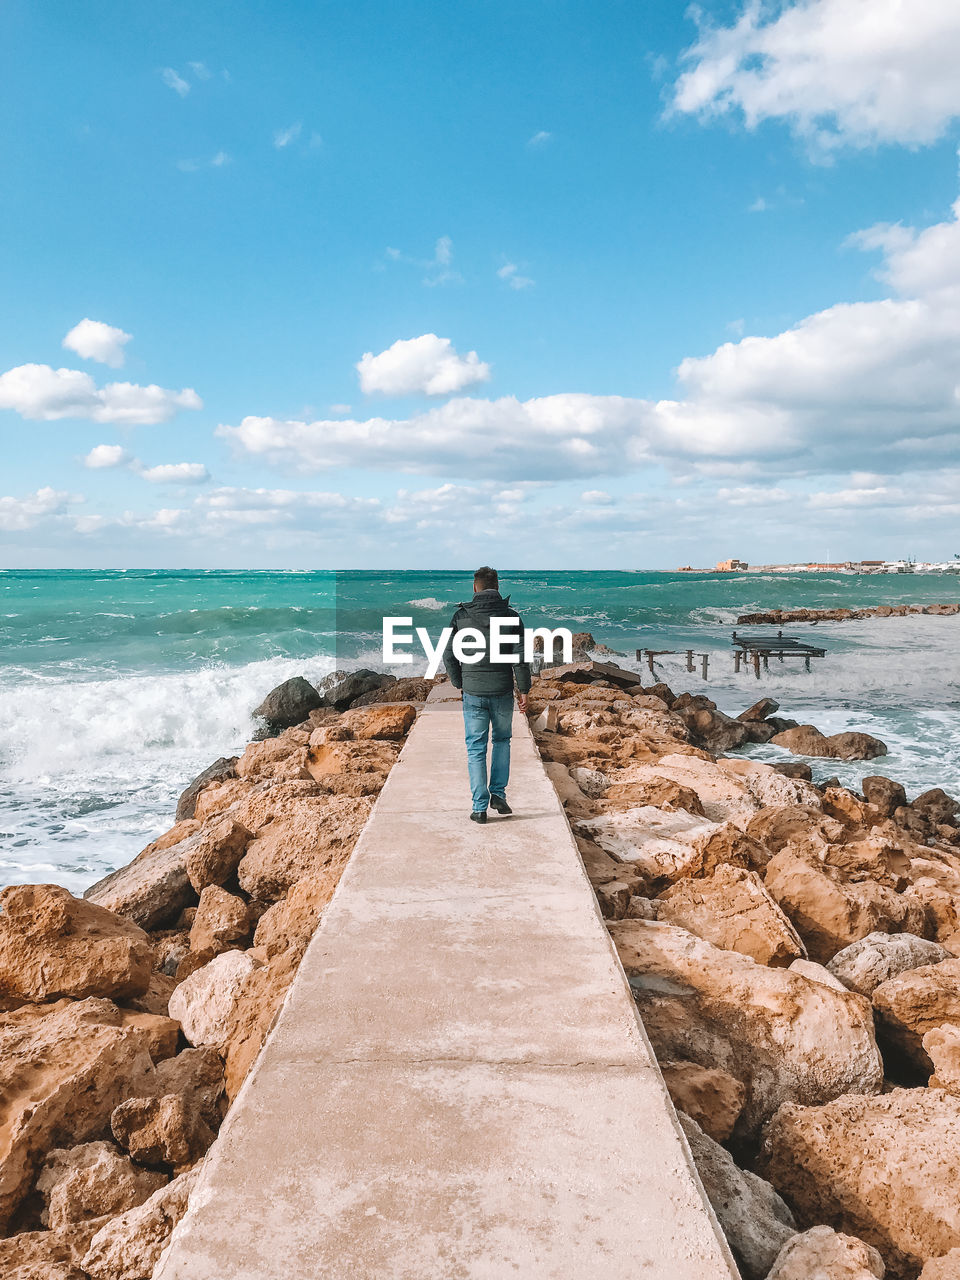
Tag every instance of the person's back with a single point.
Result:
(488, 687)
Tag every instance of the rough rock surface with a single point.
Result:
(253, 1014)
(824, 1254)
(712, 1097)
(784, 1037)
(308, 838)
(942, 1047)
(755, 1220)
(882, 1169)
(817, 973)
(53, 944)
(215, 854)
(341, 689)
(47, 1255)
(806, 740)
(128, 1247)
(733, 910)
(154, 888)
(223, 921)
(391, 721)
(916, 1002)
(161, 1131)
(204, 1002)
(865, 964)
(944, 1268)
(63, 1069)
(288, 704)
(219, 771)
(293, 920)
(91, 1181)
(885, 794)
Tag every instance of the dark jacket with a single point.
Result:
(486, 677)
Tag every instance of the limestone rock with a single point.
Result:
(659, 845)
(548, 721)
(805, 740)
(196, 1074)
(305, 841)
(828, 912)
(936, 805)
(253, 1014)
(204, 1002)
(768, 787)
(53, 944)
(709, 726)
(405, 689)
(882, 1169)
(223, 921)
(794, 769)
(733, 910)
(154, 888)
(760, 710)
(215, 854)
(755, 1220)
(816, 973)
(163, 1130)
(392, 721)
(219, 771)
(865, 964)
(946, 1267)
(293, 920)
(288, 704)
(614, 897)
(802, 826)
(823, 1252)
(91, 1181)
(915, 1002)
(129, 1246)
(662, 793)
(784, 1037)
(885, 794)
(712, 1097)
(47, 1255)
(341, 689)
(727, 844)
(63, 1069)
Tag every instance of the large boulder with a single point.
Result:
(53, 944)
(944, 1268)
(828, 911)
(91, 1181)
(63, 1069)
(755, 1220)
(166, 1130)
(659, 845)
(915, 1002)
(341, 689)
(712, 1097)
(708, 726)
(784, 1037)
(823, 1252)
(219, 771)
(733, 910)
(154, 888)
(223, 921)
(203, 1002)
(305, 840)
(214, 854)
(936, 806)
(882, 1169)
(288, 704)
(128, 1247)
(48, 1255)
(392, 721)
(293, 920)
(884, 794)
(865, 964)
(805, 740)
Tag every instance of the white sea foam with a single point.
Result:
(429, 602)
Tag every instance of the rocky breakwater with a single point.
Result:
(781, 616)
(129, 1018)
(791, 948)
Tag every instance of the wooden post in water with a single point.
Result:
(704, 659)
(650, 661)
(736, 660)
(689, 659)
(756, 663)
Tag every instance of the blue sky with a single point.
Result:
(247, 199)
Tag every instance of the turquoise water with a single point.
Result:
(116, 687)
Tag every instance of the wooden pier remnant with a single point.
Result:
(649, 655)
(760, 649)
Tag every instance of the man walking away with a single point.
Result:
(488, 692)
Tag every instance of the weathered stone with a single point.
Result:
(548, 721)
(784, 1037)
(163, 1130)
(795, 769)
(392, 721)
(293, 920)
(760, 710)
(882, 1169)
(154, 888)
(802, 826)
(823, 1252)
(288, 704)
(197, 1074)
(659, 845)
(614, 898)
(816, 973)
(214, 855)
(936, 805)
(47, 1255)
(341, 689)
(712, 1097)
(204, 1002)
(884, 793)
(223, 920)
(128, 1247)
(865, 964)
(53, 944)
(915, 1002)
(306, 841)
(733, 910)
(253, 1014)
(63, 1069)
(709, 726)
(219, 771)
(755, 1220)
(406, 689)
(728, 845)
(942, 1047)
(91, 1181)
(946, 1267)
(662, 793)
(805, 740)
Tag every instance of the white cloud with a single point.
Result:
(539, 138)
(23, 513)
(439, 268)
(175, 473)
(596, 497)
(107, 455)
(510, 273)
(200, 70)
(94, 340)
(283, 137)
(855, 72)
(427, 364)
(174, 81)
(216, 161)
(38, 392)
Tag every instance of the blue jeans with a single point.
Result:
(483, 715)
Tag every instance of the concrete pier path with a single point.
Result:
(458, 1086)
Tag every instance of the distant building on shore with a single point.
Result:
(730, 566)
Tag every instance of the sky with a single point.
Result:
(546, 283)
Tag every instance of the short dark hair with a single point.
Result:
(485, 579)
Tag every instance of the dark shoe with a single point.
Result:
(478, 815)
(500, 804)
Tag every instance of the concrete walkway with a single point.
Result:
(458, 1086)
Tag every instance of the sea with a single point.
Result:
(116, 688)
